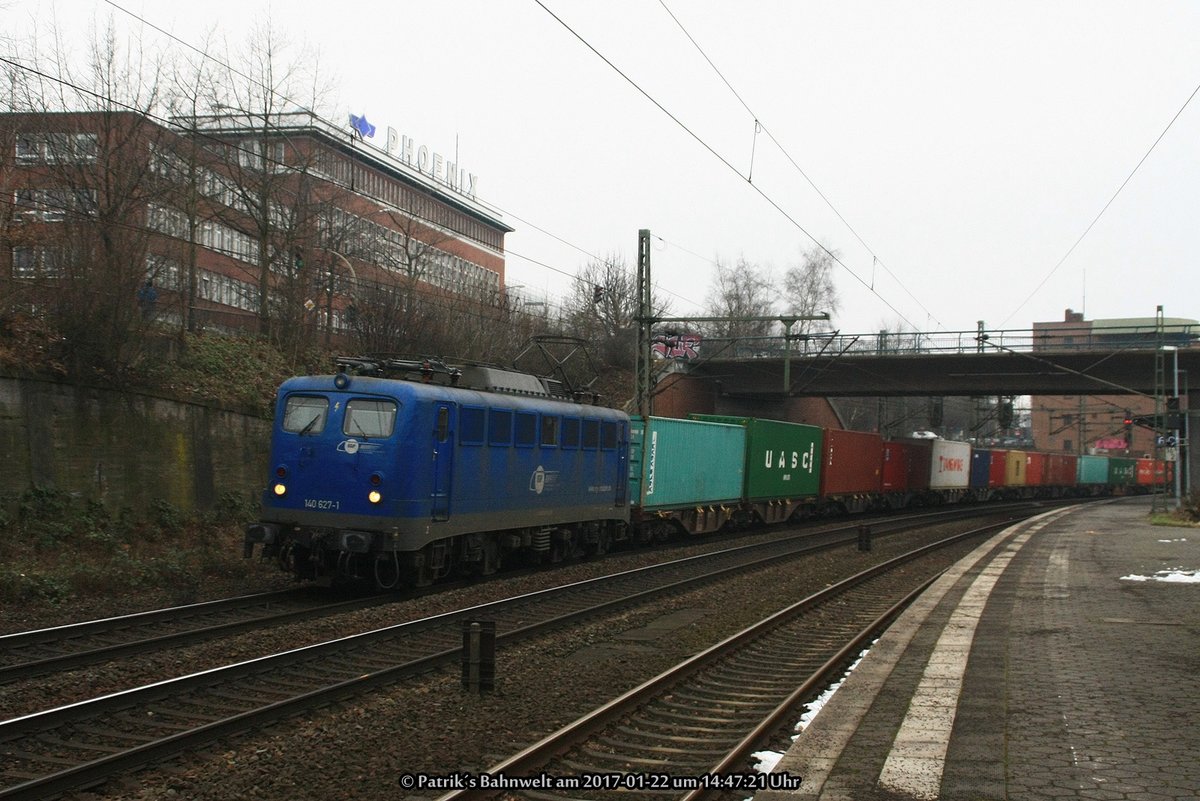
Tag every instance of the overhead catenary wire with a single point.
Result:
(729, 165)
(1096, 219)
(870, 286)
(759, 126)
(210, 56)
(207, 55)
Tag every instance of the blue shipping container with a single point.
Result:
(981, 466)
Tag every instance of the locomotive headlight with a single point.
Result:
(374, 496)
(341, 380)
(280, 490)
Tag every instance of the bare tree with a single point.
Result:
(809, 290)
(189, 175)
(274, 194)
(602, 309)
(86, 229)
(410, 278)
(391, 317)
(494, 327)
(740, 291)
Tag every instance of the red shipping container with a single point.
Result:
(852, 463)
(1035, 469)
(1145, 471)
(1063, 467)
(906, 465)
(998, 472)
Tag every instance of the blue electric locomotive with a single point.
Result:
(402, 472)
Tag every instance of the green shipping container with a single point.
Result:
(682, 463)
(783, 460)
(1121, 471)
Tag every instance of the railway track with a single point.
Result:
(688, 733)
(32, 653)
(40, 652)
(83, 744)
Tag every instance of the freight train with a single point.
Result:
(400, 473)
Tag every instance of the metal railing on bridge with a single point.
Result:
(1058, 338)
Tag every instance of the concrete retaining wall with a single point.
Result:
(126, 449)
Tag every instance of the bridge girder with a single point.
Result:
(1048, 372)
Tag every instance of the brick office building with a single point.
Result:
(239, 222)
(1096, 423)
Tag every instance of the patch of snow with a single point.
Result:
(767, 760)
(1176, 576)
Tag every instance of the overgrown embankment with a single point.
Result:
(138, 487)
(56, 548)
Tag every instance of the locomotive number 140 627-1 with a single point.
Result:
(321, 503)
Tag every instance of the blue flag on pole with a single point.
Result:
(364, 129)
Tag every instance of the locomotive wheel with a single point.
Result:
(562, 547)
(491, 557)
(419, 572)
(602, 544)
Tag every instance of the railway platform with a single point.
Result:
(1060, 660)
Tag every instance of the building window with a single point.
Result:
(29, 149)
(36, 262)
(56, 148)
(27, 203)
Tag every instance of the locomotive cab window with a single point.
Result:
(305, 414)
(373, 419)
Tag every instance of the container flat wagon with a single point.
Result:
(684, 474)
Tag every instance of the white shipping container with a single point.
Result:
(951, 465)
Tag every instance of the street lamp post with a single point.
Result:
(1179, 444)
(1174, 416)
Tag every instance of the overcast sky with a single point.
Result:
(965, 146)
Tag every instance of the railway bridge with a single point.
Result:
(1149, 364)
